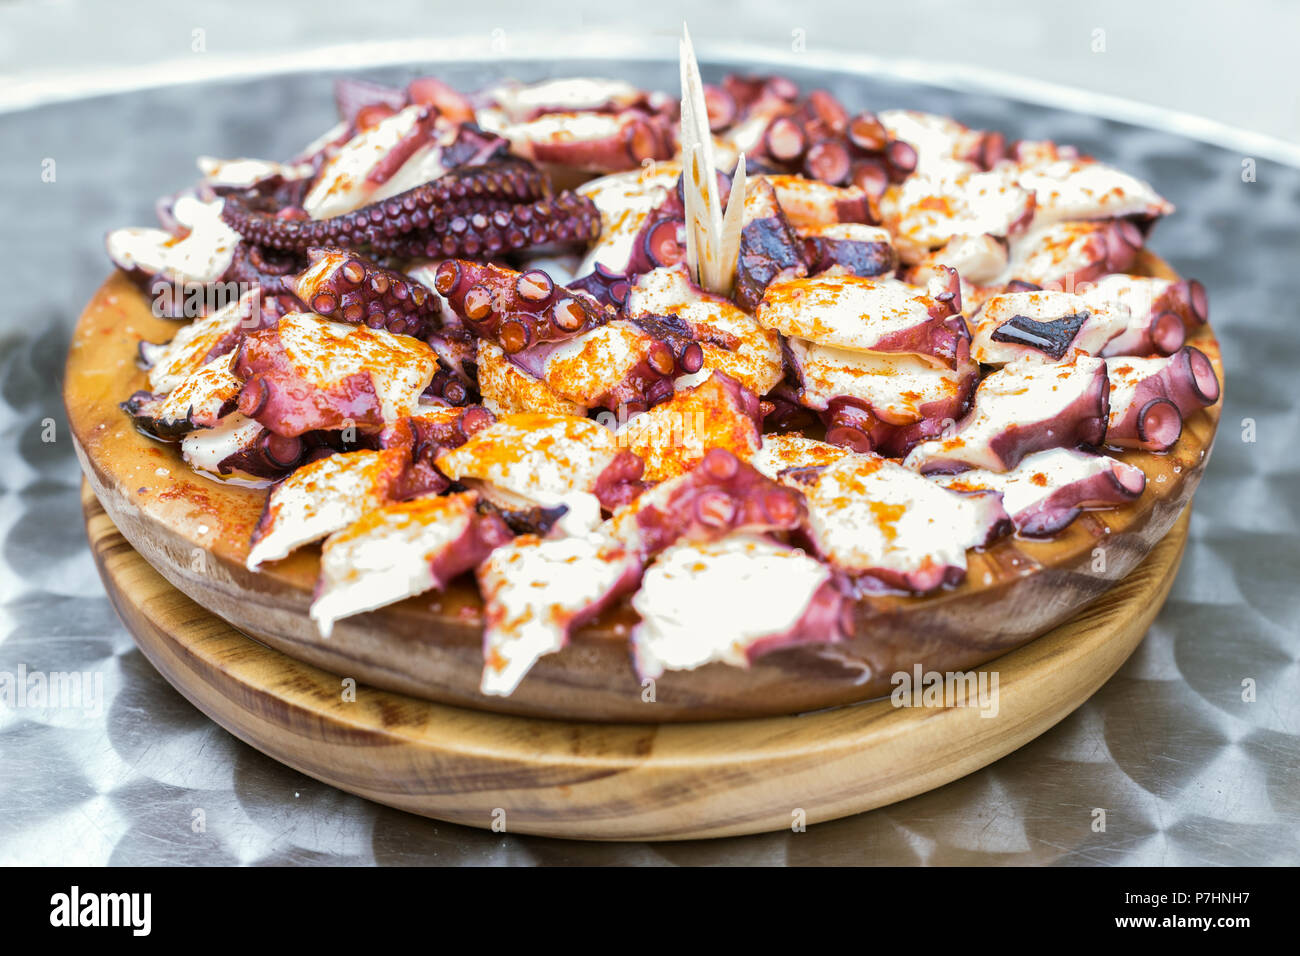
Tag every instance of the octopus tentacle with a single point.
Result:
(857, 256)
(850, 425)
(620, 482)
(261, 221)
(605, 285)
(489, 227)
(371, 376)
(270, 456)
(720, 495)
(446, 386)
(817, 137)
(1149, 398)
(427, 435)
(343, 286)
(516, 310)
(687, 353)
(561, 335)
(1021, 409)
(1049, 489)
(456, 380)
(770, 250)
(267, 268)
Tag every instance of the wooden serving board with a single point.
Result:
(195, 531)
(607, 781)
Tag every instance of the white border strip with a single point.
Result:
(19, 94)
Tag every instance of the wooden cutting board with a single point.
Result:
(617, 781)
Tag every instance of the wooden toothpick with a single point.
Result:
(712, 240)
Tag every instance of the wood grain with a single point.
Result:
(195, 531)
(607, 781)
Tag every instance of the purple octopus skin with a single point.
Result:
(1163, 329)
(945, 336)
(828, 619)
(785, 413)
(516, 310)
(619, 483)
(866, 259)
(856, 208)
(449, 388)
(939, 332)
(770, 250)
(427, 439)
(661, 242)
(638, 137)
(1156, 333)
(605, 286)
(687, 353)
(851, 424)
(456, 380)
(353, 96)
(1189, 300)
(497, 206)
(1115, 486)
(264, 220)
(527, 314)
(717, 497)
(1122, 240)
(1084, 422)
(1081, 423)
(813, 136)
(268, 269)
(1110, 247)
(474, 228)
(1164, 391)
(487, 531)
(249, 265)
(273, 456)
(950, 297)
(865, 583)
(1051, 337)
(537, 520)
(145, 410)
(360, 103)
(645, 385)
(346, 287)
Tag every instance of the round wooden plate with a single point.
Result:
(603, 781)
(195, 531)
